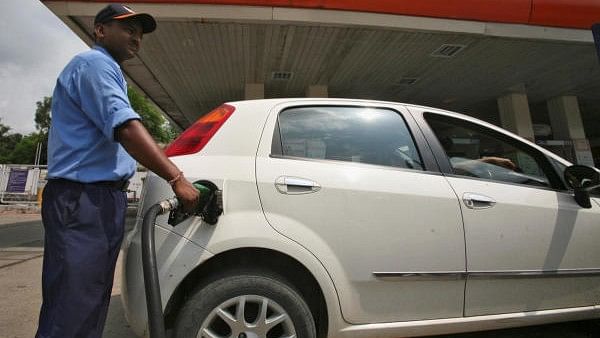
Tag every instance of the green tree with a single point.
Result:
(19, 149)
(24, 151)
(43, 115)
(8, 143)
(43, 118)
(160, 129)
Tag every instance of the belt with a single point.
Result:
(116, 185)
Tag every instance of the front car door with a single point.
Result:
(350, 184)
(529, 246)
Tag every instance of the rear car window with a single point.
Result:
(354, 134)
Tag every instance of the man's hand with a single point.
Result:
(499, 161)
(188, 195)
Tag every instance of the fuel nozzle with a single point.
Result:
(210, 205)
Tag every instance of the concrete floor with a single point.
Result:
(20, 280)
(21, 296)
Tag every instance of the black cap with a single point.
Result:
(122, 12)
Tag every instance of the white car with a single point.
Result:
(354, 218)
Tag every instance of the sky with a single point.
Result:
(34, 47)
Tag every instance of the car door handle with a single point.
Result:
(296, 185)
(478, 201)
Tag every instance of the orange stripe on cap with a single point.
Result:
(125, 16)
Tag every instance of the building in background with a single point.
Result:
(527, 65)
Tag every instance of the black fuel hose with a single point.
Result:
(209, 208)
(156, 324)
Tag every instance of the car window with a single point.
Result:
(355, 134)
(477, 151)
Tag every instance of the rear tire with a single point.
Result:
(246, 305)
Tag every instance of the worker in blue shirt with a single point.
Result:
(94, 142)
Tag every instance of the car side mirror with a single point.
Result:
(582, 179)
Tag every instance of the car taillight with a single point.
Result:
(193, 139)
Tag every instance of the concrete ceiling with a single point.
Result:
(202, 55)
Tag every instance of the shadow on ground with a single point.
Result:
(116, 324)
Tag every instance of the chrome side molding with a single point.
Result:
(437, 275)
(454, 275)
(534, 273)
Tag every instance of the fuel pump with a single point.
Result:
(209, 208)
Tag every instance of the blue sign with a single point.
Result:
(17, 180)
(596, 32)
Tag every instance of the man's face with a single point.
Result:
(122, 39)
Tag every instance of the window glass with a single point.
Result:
(480, 152)
(355, 134)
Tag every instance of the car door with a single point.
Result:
(350, 185)
(529, 246)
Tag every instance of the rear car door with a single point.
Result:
(529, 245)
(350, 184)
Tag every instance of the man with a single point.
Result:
(93, 137)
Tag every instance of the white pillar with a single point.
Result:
(317, 91)
(565, 118)
(515, 115)
(254, 91)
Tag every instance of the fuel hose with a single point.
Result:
(210, 206)
(156, 324)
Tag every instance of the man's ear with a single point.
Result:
(98, 32)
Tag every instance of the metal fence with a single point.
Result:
(23, 184)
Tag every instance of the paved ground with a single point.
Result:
(21, 297)
(20, 280)
(20, 294)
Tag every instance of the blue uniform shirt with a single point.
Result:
(89, 102)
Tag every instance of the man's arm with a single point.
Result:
(139, 144)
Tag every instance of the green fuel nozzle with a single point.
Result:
(209, 207)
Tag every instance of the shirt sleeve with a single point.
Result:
(103, 97)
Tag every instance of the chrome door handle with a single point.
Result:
(478, 201)
(295, 185)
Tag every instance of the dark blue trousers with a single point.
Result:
(83, 233)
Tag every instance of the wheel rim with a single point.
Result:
(248, 316)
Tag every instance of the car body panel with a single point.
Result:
(242, 224)
(533, 249)
(528, 230)
(467, 324)
(338, 228)
(182, 248)
(175, 257)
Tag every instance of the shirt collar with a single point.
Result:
(105, 52)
